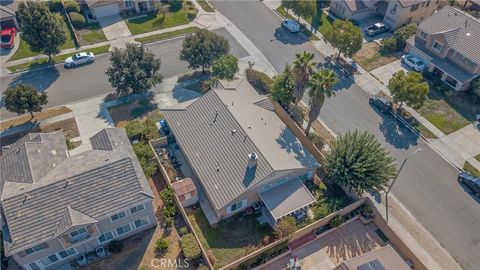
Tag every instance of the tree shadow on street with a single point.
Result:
(396, 133)
(284, 36)
(41, 78)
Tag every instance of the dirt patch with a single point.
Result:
(142, 108)
(37, 117)
(369, 56)
(317, 126)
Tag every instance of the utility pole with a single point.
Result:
(395, 179)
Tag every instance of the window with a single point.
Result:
(137, 208)
(423, 35)
(36, 248)
(437, 46)
(118, 216)
(187, 196)
(236, 206)
(33, 266)
(141, 222)
(67, 253)
(128, 4)
(49, 259)
(281, 181)
(267, 187)
(105, 237)
(78, 232)
(414, 7)
(124, 229)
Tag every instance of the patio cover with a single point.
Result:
(287, 198)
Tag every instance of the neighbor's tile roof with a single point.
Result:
(355, 5)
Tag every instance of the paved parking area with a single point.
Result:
(369, 22)
(385, 73)
(114, 27)
(349, 241)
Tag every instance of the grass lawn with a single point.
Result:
(166, 35)
(369, 56)
(156, 21)
(281, 10)
(57, 58)
(231, 238)
(91, 34)
(24, 50)
(469, 168)
(205, 6)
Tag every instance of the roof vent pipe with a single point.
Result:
(252, 160)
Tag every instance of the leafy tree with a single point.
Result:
(409, 88)
(346, 37)
(359, 162)
(302, 68)
(225, 67)
(304, 8)
(402, 34)
(475, 84)
(202, 48)
(191, 249)
(145, 157)
(283, 87)
(133, 69)
(321, 86)
(389, 45)
(285, 227)
(24, 98)
(42, 30)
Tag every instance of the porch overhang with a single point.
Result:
(287, 198)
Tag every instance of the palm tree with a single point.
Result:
(321, 86)
(302, 69)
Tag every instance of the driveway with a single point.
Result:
(385, 73)
(114, 27)
(362, 24)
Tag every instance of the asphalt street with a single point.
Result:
(427, 185)
(69, 85)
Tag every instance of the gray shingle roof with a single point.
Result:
(82, 188)
(355, 5)
(461, 30)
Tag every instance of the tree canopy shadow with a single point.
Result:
(284, 36)
(41, 78)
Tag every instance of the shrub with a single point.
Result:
(191, 14)
(161, 244)
(115, 246)
(259, 80)
(78, 20)
(211, 257)
(286, 227)
(175, 5)
(320, 211)
(389, 45)
(266, 240)
(191, 249)
(402, 34)
(203, 267)
(317, 140)
(55, 5)
(167, 196)
(183, 230)
(337, 221)
(168, 222)
(169, 211)
(71, 6)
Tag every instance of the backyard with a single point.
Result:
(369, 57)
(161, 20)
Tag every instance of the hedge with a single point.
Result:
(77, 19)
(190, 247)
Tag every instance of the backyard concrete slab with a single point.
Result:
(114, 27)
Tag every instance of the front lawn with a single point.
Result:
(477, 157)
(156, 21)
(24, 50)
(55, 59)
(91, 34)
(231, 238)
(370, 57)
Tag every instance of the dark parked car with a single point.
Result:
(381, 103)
(470, 182)
(376, 29)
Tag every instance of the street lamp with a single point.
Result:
(395, 179)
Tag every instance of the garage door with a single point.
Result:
(106, 11)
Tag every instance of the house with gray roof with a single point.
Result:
(448, 44)
(242, 152)
(58, 207)
(395, 14)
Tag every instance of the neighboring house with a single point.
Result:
(448, 43)
(186, 191)
(7, 17)
(382, 258)
(106, 8)
(395, 13)
(242, 153)
(57, 207)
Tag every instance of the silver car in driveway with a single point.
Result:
(413, 62)
(79, 59)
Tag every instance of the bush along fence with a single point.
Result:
(162, 141)
(70, 25)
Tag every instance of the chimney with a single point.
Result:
(252, 160)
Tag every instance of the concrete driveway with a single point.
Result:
(369, 22)
(385, 73)
(114, 27)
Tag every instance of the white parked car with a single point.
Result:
(79, 59)
(292, 25)
(413, 62)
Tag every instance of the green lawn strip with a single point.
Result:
(469, 168)
(205, 6)
(24, 51)
(156, 21)
(57, 58)
(281, 10)
(231, 238)
(91, 34)
(166, 35)
(425, 131)
(477, 157)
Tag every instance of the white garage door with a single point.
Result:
(106, 11)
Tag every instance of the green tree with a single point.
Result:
(359, 162)
(409, 88)
(24, 98)
(225, 67)
(202, 48)
(133, 69)
(346, 37)
(402, 34)
(283, 87)
(301, 8)
(302, 68)
(321, 86)
(285, 227)
(389, 45)
(42, 30)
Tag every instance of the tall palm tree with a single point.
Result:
(321, 85)
(302, 69)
